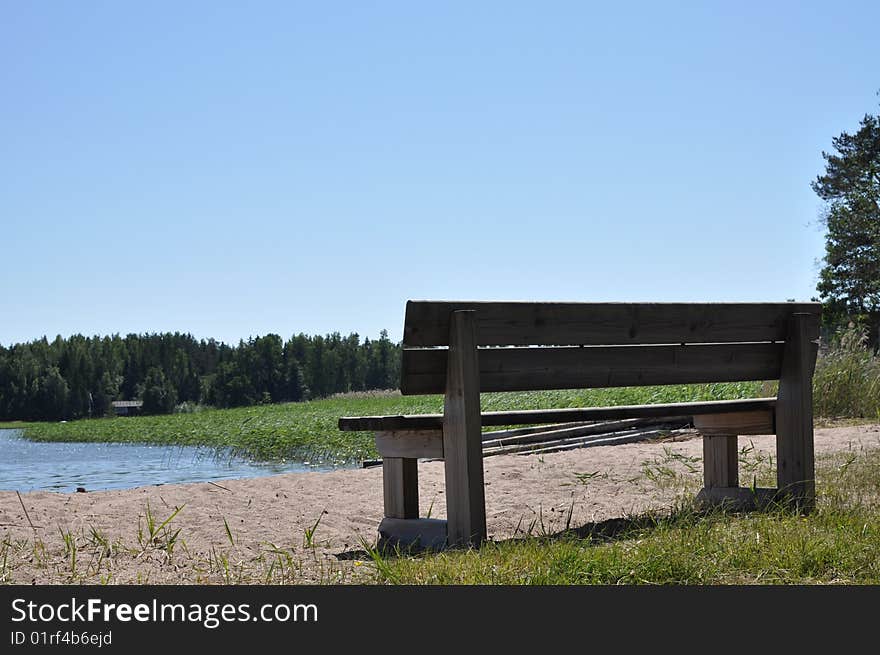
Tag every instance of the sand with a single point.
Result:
(272, 533)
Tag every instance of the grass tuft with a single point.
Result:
(847, 378)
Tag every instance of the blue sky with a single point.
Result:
(234, 169)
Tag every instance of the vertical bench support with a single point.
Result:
(720, 462)
(721, 458)
(400, 483)
(462, 446)
(794, 412)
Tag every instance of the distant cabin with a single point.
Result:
(127, 407)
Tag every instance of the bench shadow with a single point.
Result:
(613, 529)
(602, 532)
(597, 533)
(617, 528)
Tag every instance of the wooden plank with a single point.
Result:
(412, 534)
(613, 440)
(794, 412)
(413, 422)
(720, 464)
(462, 446)
(535, 416)
(554, 445)
(400, 484)
(544, 416)
(560, 324)
(545, 432)
(582, 430)
(412, 444)
(739, 423)
(523, 369)
(515, 432)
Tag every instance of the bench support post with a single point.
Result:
(794, 413)
(720, 463)
(400, 485)
(462, 445)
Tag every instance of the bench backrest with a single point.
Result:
(527, 346)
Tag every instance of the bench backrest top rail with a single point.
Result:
(582, 324)
(586, 345)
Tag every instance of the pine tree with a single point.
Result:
(850, 279)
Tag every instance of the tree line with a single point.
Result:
(79, 377)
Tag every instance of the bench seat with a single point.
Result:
(420, 422)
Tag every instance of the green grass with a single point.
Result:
(13, 425)
(308, 431)
(836, 544)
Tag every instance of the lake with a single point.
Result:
(30, 466)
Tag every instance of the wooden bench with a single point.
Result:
(463, 348)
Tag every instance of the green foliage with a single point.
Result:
(51, 393)
(305, 431)
(158, 534)
(188, 407)
(847, 378)
(159, 395)
(107, 390)
(80, 377)
(850, 280)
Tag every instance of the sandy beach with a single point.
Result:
(312, 527)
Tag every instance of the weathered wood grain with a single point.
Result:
(580, 430)
(515, 432)
(543, 416)
(720, 463)
(413, 444)
(560, 324)
(794, 412)
(462, 446)
(740, 423)
(525, 369)
(400, 485)
(555, 445)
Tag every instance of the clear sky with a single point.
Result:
(233, 169)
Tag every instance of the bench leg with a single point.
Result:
(462, 444)
(721, 478)
(721, 459)
(400, 482)
(402, 528)
(720, 463)
(794, 413)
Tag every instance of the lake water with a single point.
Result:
(28, 465)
